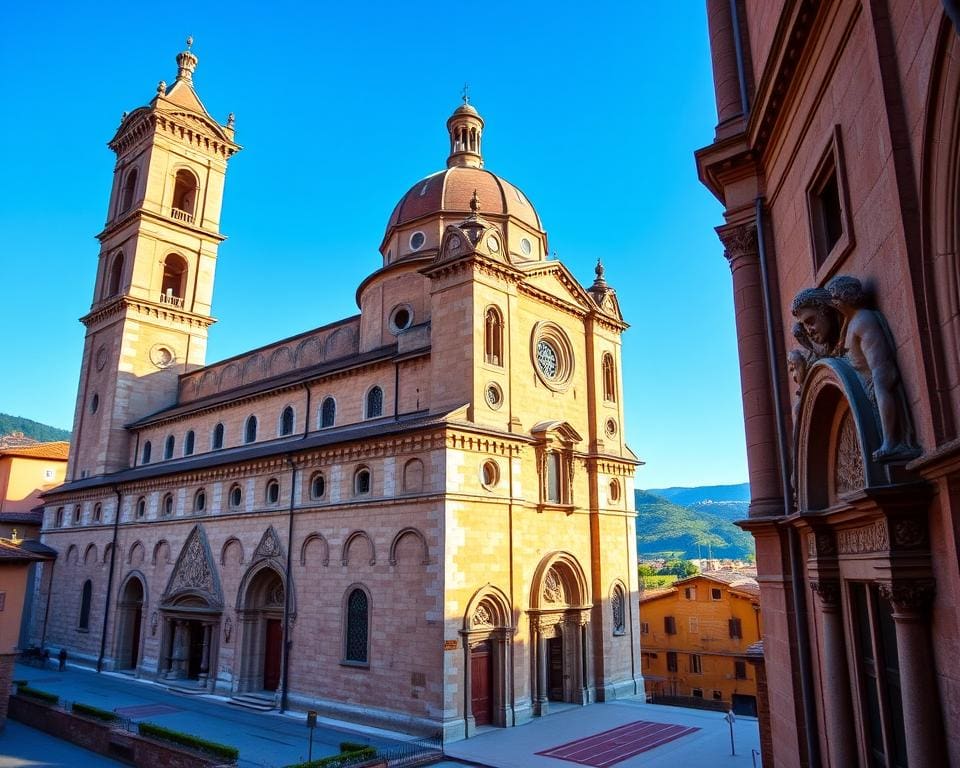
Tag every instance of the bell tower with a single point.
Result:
(158, 251)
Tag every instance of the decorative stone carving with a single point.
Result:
(195, 571)
(909, 533)
(828, 590)
(269, 546)
(909, 597)
(553, 588)
(869, 538)
(837, 321)
(739, 241)
(616, 611)
(227, 630)
(848, 466)
(482, 617)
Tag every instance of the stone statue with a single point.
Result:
(867, 343)
(818, 329)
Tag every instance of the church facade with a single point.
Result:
(418, 516)
(836, 159)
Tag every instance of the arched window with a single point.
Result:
(167, 505)
(361, 481)
(129, 188)
(115, 276)
(609, 379)
(85, 596)
(141, 508)
(493, 337)
(58, 518)
(97, 512)
(184, 196)
(618, 610)
(273, 492)
(374, 403)
(145, 457)
(174, 285)
(188, 442)
(216, 443)
(286, 421)
(168, 447)
(553, 477)
(236, 497)
(328, 412)
(356, 646)
(250, 430)
(200, 500)
(76, 515)
(318, 486)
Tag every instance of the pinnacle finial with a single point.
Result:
(231, 120)
(186, 62)
(475, 203)
(465, 93)
(599, 270)
(189, 42)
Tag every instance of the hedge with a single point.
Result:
(36, 693)
(352, 746)
(99, 714)
(185, 739)
(344, 759)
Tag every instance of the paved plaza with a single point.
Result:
(621, 734)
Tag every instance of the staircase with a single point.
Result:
(261, 702)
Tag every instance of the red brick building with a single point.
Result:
(837, 160)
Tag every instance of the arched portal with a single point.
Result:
(488, 648)
(261, 618)
(129, 622)
(560, 608)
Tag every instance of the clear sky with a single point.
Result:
(593, 112)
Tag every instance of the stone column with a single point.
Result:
(835, 678)
(169, 631)
(541, 705)
(470, 722)
(180, 635)
(205, 652)
(740, 249)
(911, 601)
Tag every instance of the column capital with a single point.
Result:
(738, 240)
(909, 598)
(828, 590)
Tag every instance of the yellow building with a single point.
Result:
(428, 504)
(26, 470)
(695, 637)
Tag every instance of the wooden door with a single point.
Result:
(135, 637)
(481, 681)
(271, 655)
(555, 669)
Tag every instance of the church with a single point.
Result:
(419, 516)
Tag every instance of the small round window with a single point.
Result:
(526, 246)
(610, 428)
(417, 240)
(552, 356)
(401, 318)
(494, 396)
(489, 474)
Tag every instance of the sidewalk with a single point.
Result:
(23, 747)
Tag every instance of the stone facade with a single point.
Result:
(428, 505)
(835, 159)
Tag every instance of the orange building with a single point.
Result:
(695, 636)
(25, 472)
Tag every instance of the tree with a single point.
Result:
(678, 567)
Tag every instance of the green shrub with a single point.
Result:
(343, 760)
(35, 693)
(351, 746)
(96, 712)
(186, 740)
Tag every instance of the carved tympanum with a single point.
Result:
(269, 546)
(848, 467)
(553, 588)
(195, 570)
(482, 617)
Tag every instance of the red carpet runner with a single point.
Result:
(610, 747)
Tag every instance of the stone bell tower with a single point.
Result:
(158, 251)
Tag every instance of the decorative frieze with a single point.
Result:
(869, 538)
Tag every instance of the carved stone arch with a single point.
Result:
(195, 573)
(340, 343)
(73, 555)
(137, 550)
(229, 377)
(161, 552)
(270, 547)
(252, 573)
(137, 574)
(940, 215)
(415, 533)
(132, 601)
(232, 542)
(837, 432)
(90, 554)
(252, 369)
(309, 352)
(324, 548)
(488, 606)
(353, 538)
(107, 553)
(559, 581)
(281, 361)
(207, 384)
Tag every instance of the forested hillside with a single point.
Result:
(30, 428)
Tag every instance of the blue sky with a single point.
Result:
(594, 114)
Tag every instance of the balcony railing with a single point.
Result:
(173, 301)
(179, 215)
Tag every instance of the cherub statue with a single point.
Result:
(818, 329)
(865, 341)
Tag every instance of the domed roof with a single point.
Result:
(449, 191)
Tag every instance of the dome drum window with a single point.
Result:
(417, 239)
(552, 356)
(401, 318)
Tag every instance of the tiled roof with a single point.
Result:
(650, 594)
(33, 517)
(56, 450)
(14, 553)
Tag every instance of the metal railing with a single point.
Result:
(411, 753)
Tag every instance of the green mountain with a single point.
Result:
(704, 493)
(30, 428)
(689, 531)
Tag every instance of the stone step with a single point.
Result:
(187, 690)
(256, 701)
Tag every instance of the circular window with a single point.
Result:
(401, 318)
(493, 244)
(610, 427)
(614, 490)
(101, 357)
(161, 356)
(526, 246)
(417, 240)
(552, 356)
(489, 474)
(494, 395)
(453, 243)
(95, 403)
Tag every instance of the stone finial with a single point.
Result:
(231, 120)
(475, 203)
(465, 93)
(599, 282)
(162, 88)
(186, 62)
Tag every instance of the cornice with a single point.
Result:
(117, 305)
(165, 221)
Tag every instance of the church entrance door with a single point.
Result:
(130, 617)
(555, 669)
(481, 681)
(271, 655)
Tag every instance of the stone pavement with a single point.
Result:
(23, 747)
(267, 740)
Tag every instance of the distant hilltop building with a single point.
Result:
(427, 504)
